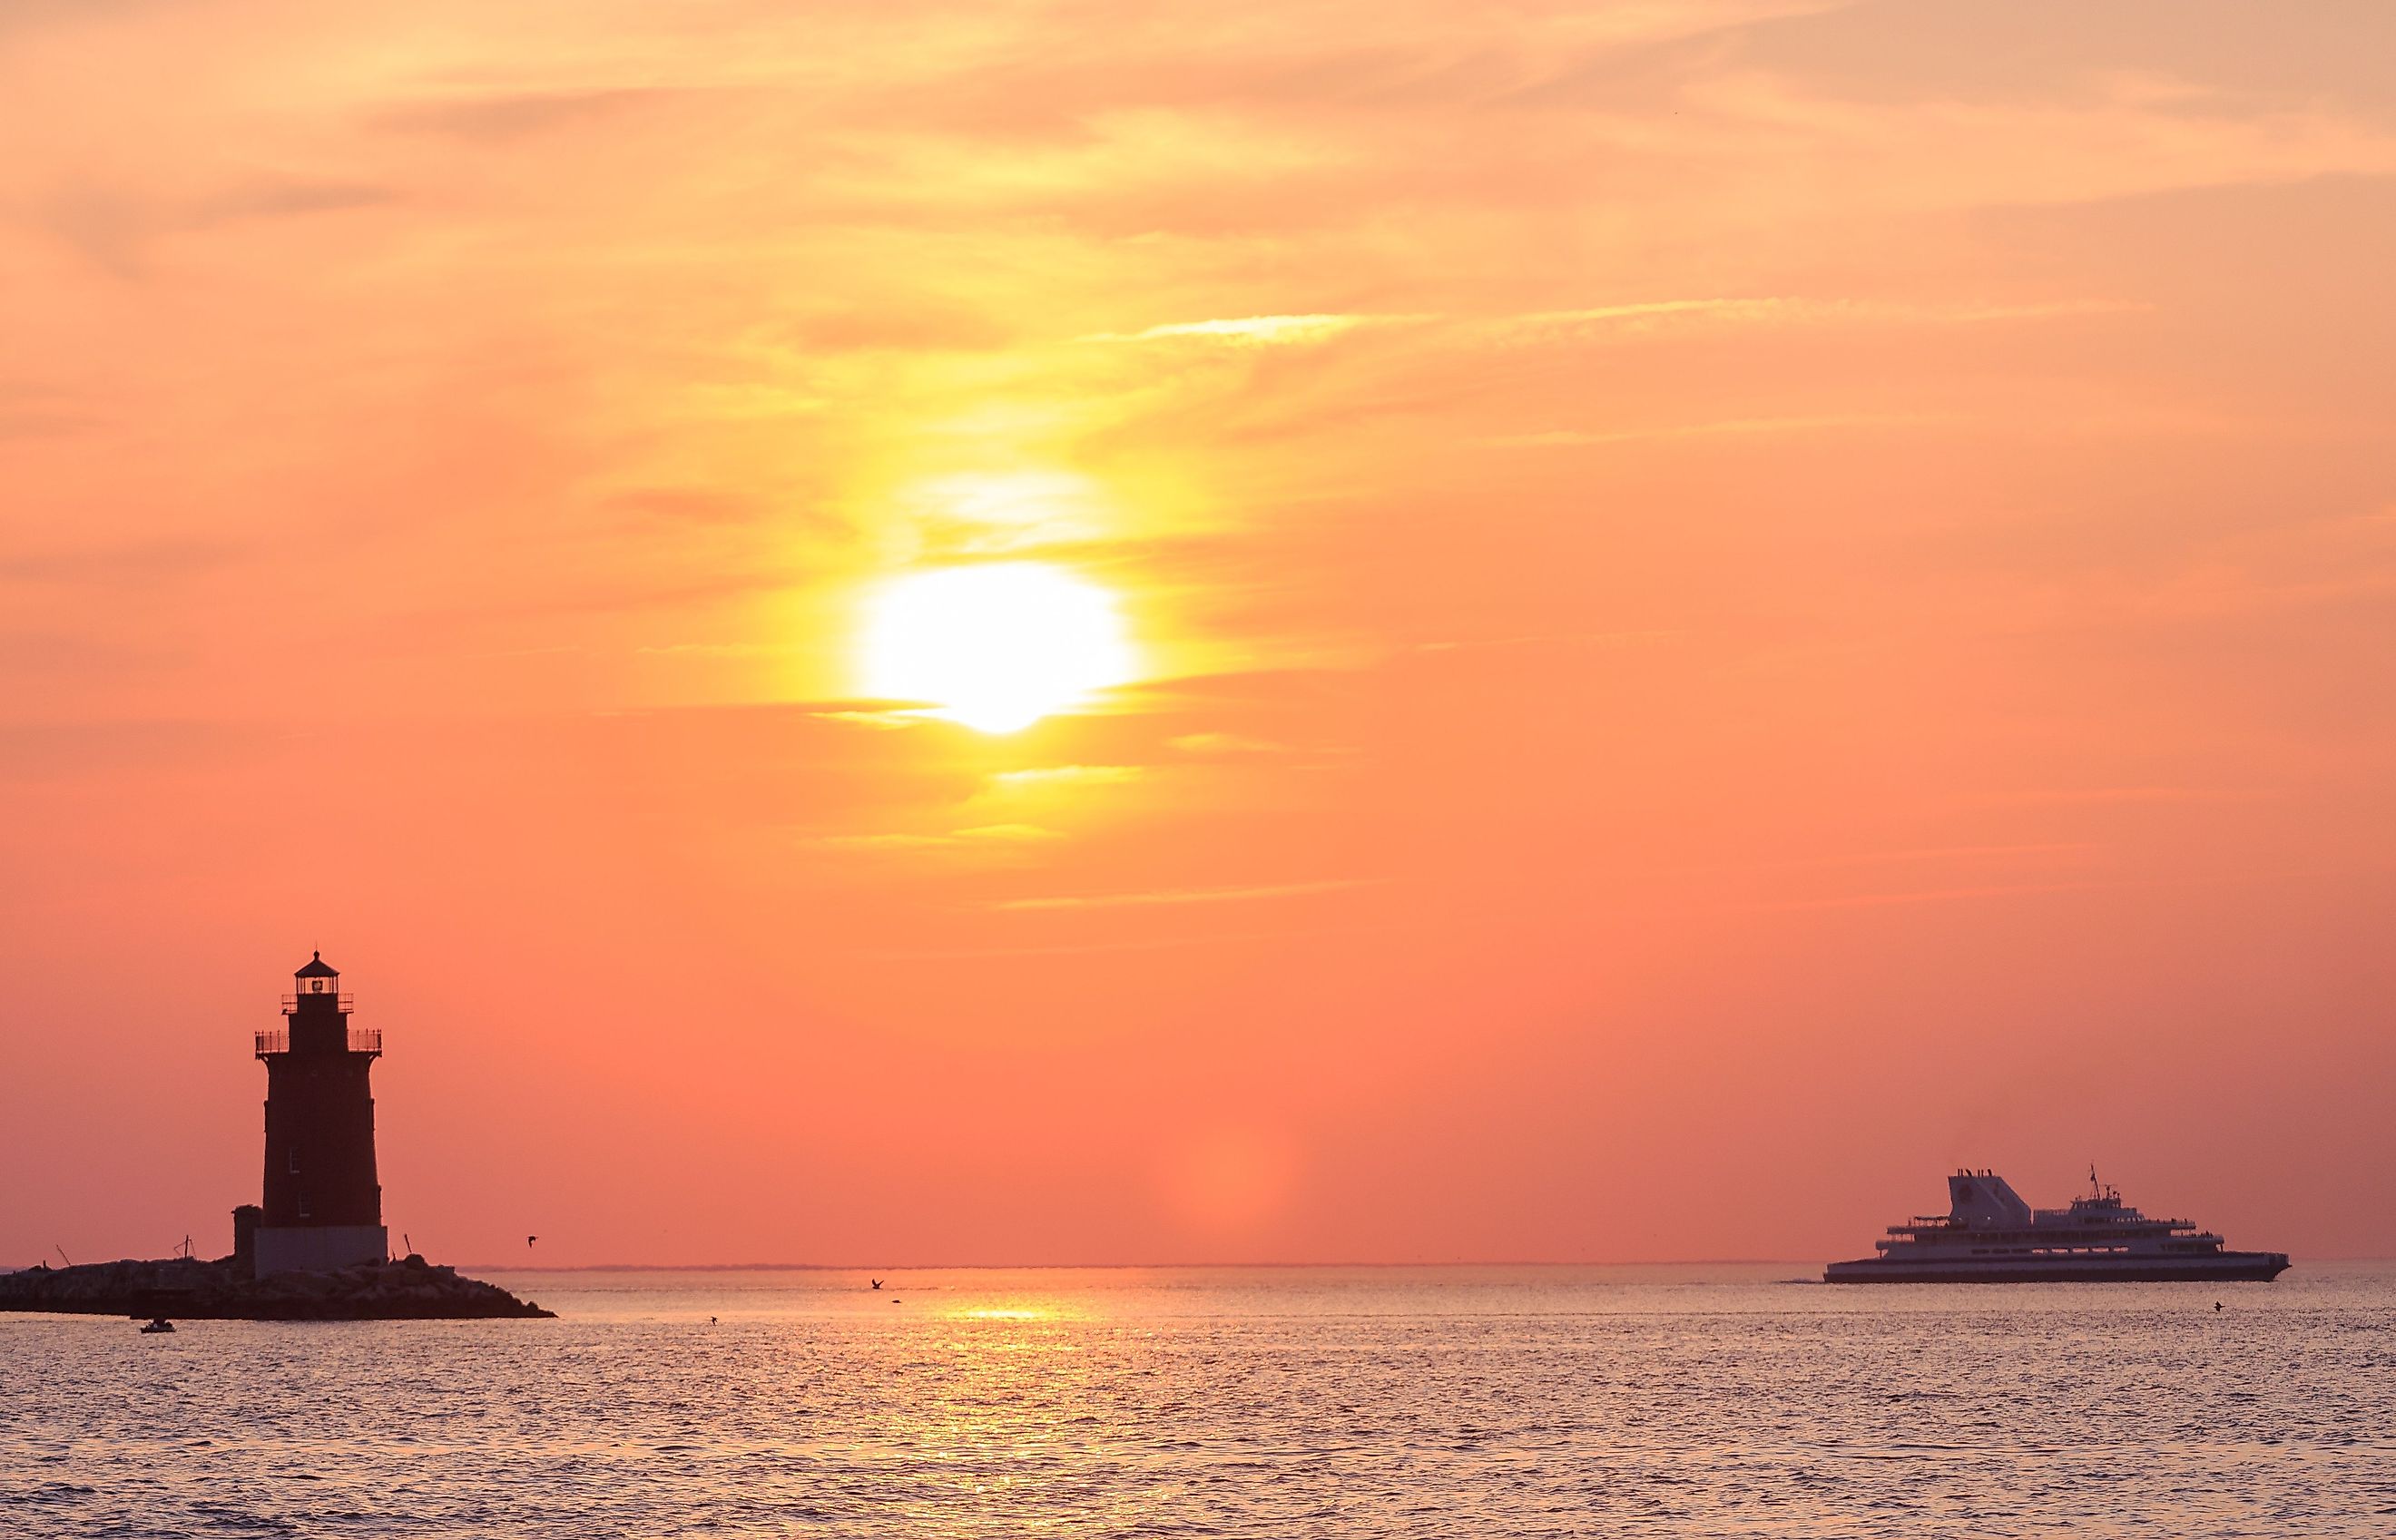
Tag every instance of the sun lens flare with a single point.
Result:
(995, 648)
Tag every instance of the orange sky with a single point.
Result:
(1737, 603)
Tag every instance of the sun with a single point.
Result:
(996, 646)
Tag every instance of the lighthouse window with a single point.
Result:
(304, 1205)
(295, 1162)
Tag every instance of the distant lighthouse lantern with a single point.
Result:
(318, 976)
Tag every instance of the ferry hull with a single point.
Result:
(2224, 1266)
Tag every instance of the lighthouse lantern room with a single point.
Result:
(323, 1204)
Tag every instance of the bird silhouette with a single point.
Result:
(877, 1282)
(529, 1239)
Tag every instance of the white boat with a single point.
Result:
(1989, 1235)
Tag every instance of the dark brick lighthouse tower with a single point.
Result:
(322, 1206)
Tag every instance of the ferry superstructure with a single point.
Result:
(1989, 1235)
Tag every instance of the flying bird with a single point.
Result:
(529, 1239)
(877, 1282)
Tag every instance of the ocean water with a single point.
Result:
(1684, 1402)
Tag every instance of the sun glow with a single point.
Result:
(995, 648)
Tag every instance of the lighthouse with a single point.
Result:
(322, 1206)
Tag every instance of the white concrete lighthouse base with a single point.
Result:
(320, 1248)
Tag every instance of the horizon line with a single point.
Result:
(1162, 1266)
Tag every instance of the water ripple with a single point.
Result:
(1232, 1403)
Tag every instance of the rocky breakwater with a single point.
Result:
(182, 1289)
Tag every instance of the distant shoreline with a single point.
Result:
(1084, 1267)
(1159, 1266)
(1128, 1266)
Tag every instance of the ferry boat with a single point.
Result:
(1989, 1235)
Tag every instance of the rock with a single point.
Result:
(219, 1291)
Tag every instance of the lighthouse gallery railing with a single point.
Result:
(277, 1039)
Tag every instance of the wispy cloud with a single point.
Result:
(1800, 311)
(1959, 852)
(1748, 309)
(683, 505)
(982, 835)
(1135, 944)
(1567, 438)
(1719, 429)
(492, 119)
(1068, 775)
(714, 649)
(1255, 330)
(1634, 315)
(1929, 895)
(117, 228)
(136, 562)
(1217, 744)
(887, 721)
(1179, 895)
(1561, 639)
(2068, 796)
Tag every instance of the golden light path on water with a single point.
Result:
(997, 1404)
(994, 646)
